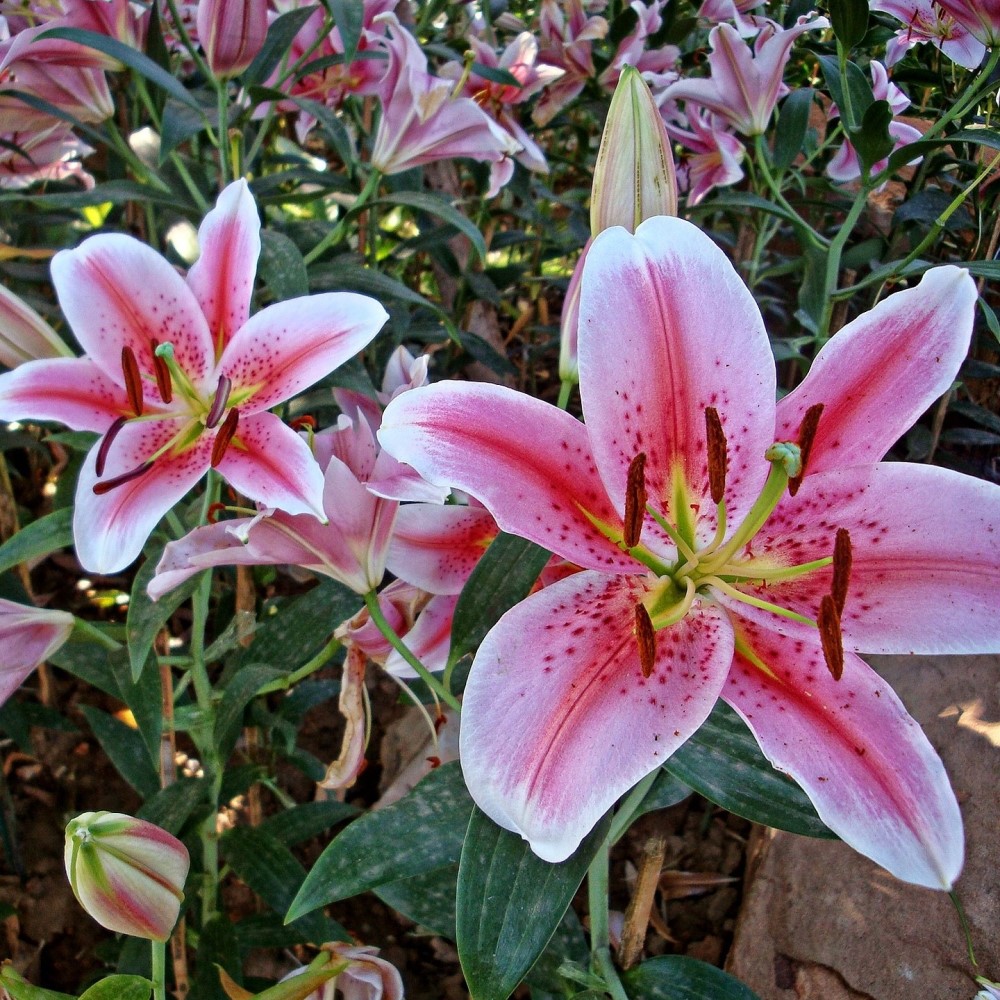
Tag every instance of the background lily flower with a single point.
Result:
(231, 33)
(179, 378)
(24, 335)
(980, 17)
(679, 507)
(128, 874)
(28, 636)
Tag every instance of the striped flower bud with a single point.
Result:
(126, 873)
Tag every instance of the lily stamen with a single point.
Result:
(718, 459)
(163, 384)
(635, 500)
(107, 485)
(807, 434)
(133, 380)
(645, 637)
(224, 437)
(219, 402)
(830, 636)
(738, 595)
(105, 446)
(842, 559)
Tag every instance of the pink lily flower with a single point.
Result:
(423, 121)
(737, 11)
(980, 17)
(705, 571)
(231, 32)
(24, 335)
(714, 155)
(48, 151)
(180, 378)
(844, 165)
(927, 21)
(29, 636)
(349, 545)
(367, 977)
(745, 84)
(567, 37)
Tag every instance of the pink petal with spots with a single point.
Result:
(926, 557)
(223, 276)
(667, 328)
(110, 530)
(527, 461)
(73, 391)
(867, 766)
(269, 463)
(558, 721)
(117, 292)
(287, 347)
(429, 639)
(28, 636)
(437, 547)
(883, 370)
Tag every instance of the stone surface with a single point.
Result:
(820, 922)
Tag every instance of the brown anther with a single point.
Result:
(807, 434)
(439, 720)
(224, 437)
(645, 637)
(219, 402)
(213, 510)
(304, 421)
(828, 621)
(133, 380)
(164, 386)
(718, 458)
(842, 560)
(107, 485)
(635, 499)
(434, 762)
(105, 446)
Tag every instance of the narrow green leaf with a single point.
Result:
(849, 19)
(182, 122)
(38, 539)
(279, 38)
(427, 899)
(793, 123)
(218, 945)
(271, 870)
(133, 58)
(436, 205)
(119, 988)
(125, 749)
(510, 903)
(666, 791)
(503, 577)
(116, 192)
(872, 140)
(171, 807)
(292, 826)
(144, 698)
(677, 977)
(282, 266)
(723, 762)
(239, 691)
(858, 87)
(349, 16)
(145, 616)
(20, 989)
(422, 832)
(343, 274)
(496, 75)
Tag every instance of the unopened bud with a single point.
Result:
(231, 32)
(24, 335)
(634, 177)
(126, 873)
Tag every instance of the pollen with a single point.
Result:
(645, 637)
(635, 499)
(807, 434)
(718, 460)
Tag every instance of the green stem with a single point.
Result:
(336, 234)
(222, 105)
(182, 34)
(159, 970)
(966, 930)
(564, 390)
(371, 602)
(600, 938)
(630, 806)
(319, 660)
(93, 632)
(813, 237)
(833, 257)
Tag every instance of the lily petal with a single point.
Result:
(29, 636)
(73, 391)
(558, 720)
(429, 639)
(268, 462)
(925, 569)
(288, 346)
(110, 530)
(437, 547)
(222, 277)
(883, 370)
(117, 292)
(863, 761)
(526, 461)
(667, 328)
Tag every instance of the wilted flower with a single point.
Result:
(126, 873)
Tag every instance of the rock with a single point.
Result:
(820, 922)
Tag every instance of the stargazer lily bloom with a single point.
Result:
(729, 546)
(180, 377)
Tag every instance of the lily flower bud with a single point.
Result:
(24, 335)
(634, 178)
(126, 873)
(231, 32)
